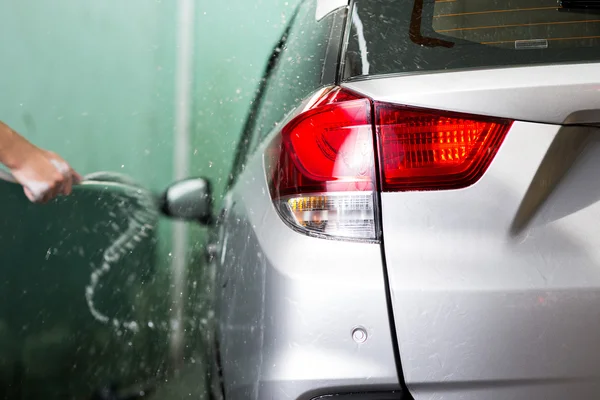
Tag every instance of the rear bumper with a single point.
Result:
(304, 347)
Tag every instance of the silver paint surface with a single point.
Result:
(481, 314)
(288, 303)
(550, 94)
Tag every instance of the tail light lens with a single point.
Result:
(321, 166)
(322, 169)
(425, 150)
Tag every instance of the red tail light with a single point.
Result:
(327, 148)
(425, 150)
(322, 164)
(322, 175)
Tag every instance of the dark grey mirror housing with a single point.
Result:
(189, 200)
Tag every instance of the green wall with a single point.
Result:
(93, 81)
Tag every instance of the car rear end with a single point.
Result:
(423, 219)
(486, 117)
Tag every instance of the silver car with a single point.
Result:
(413, 210)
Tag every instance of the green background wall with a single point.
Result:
(95, 82)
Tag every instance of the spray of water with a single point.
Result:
(142, 221)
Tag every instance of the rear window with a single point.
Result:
(394, 36)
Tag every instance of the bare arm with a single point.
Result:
(43, 174)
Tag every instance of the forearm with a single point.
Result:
(11, 144)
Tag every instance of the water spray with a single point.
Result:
(142, 221)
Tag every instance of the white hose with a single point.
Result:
(142, 221)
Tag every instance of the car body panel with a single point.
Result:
(553, 94)
(478, 309)
(288, 304)
(480, 313)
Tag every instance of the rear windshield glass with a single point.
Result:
(392, 36)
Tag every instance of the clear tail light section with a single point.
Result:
(321, 166)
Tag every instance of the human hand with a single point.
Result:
(44, 175)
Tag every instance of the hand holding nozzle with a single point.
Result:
(44, 175)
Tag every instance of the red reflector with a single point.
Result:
(428, 150)
(327, 148)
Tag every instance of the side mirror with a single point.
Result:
(189, 199)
